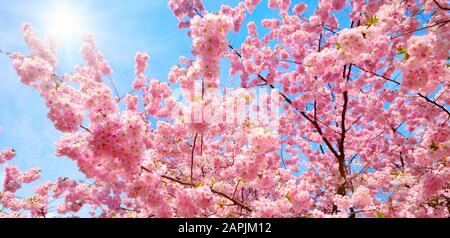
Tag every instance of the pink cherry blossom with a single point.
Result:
(279, 4)
(6, 155)
(141, 62)
(299, 8)
(331, 117)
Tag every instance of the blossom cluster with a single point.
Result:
(210, 44)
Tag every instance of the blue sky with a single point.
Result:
(121, 28)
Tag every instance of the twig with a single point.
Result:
(197, 11)
(115, 89)
(434, 103)
(83, 127)
(235, 202)
(5, 52)
(235, 189)
(381, 76)
(422, 28)
(192, 159)
(441, 7)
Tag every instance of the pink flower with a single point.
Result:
(352, 41)
(237, 14)
(66, 108)
(31, 175)
(13, 179)
(39, 48)
(362, 197)
(141, 62)
(94, 59)
(251, 4)
(209, 44)
(421, 46)
(31, 70)
(6, 155)
(270, 23)
(132, 102)
(338, 4)
(185, 8)
(279, 4)
(431, 184)
(299, 8)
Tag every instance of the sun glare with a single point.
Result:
(65, 24)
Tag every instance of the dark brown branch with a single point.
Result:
(235, 189)
(192, 158)
(235, 202)
(342, 140)
(42, 211)
(315, 110)
(330, 30)
(349, 71)
(319, 130)
(434, 103)
(321, 149)
(145, 169)
(320, 40)
(197, 11)
(237, 53)
(201, 145)
(83, 127)
(422, 28)
(178, 181)
(440, 6)
(273, 87)
(378, 75)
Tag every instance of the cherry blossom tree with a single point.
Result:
(363, 128)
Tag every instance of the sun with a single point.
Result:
(65, 24)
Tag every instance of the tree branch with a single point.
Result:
(440, 6)
(434, 103)
(5, 52)
(378, 75)
(197, 11)
(85, 128)
(422, 28)
(320, 40)
(192, 159)
(235, 202)
(342, 140)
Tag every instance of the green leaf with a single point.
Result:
(338, 46)
(403, 51)
(201, 183)
(57, 84)
(372, 21)
(380, 215)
